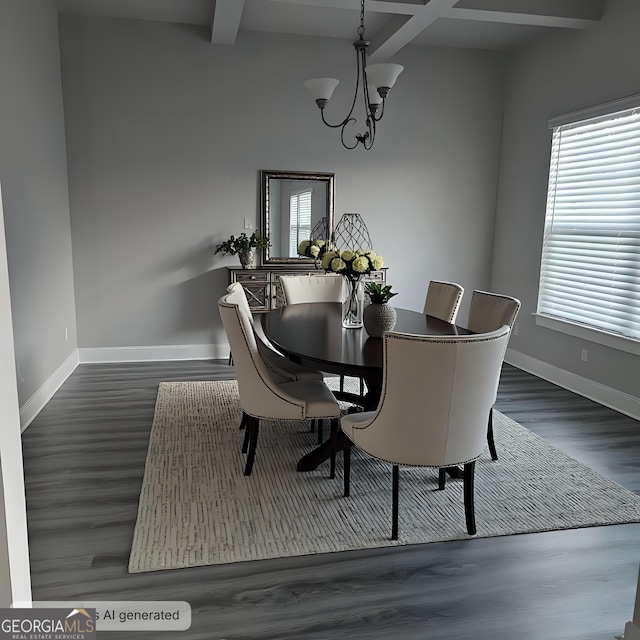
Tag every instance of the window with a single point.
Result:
(590, 269)
(299, 219)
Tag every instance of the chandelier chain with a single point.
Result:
(361, 27)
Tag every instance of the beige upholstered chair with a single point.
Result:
(304, 288)
(312, 288)
(278, 363)
(436, 394)
(487, 312)
(263, 394)
(284, 369)
(443, 300)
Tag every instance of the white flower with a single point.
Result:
(327, 258)
(314, 250)
(361, 264)
(347, 255)
(351, 263)
(302, 247)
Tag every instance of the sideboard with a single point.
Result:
(262, 284)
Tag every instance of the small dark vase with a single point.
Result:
(379, 318)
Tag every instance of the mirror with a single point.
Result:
(294, 204)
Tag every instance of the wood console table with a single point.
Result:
(262, 284)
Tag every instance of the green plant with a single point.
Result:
(379, 294)
(243, 243)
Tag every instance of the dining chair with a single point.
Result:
(443, 300)
(278, 363)
(263, 395)
(435, 388)
(487, 312)
(298, 289)
(284, 369)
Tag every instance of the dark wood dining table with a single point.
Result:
(312, 334)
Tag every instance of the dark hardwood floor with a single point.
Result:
(84, 459)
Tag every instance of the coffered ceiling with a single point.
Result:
(390, 24)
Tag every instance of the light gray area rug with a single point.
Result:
(197, 508)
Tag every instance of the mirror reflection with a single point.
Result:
(295, 204)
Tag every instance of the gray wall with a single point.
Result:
(33, 173)
(564, 73)
(166, 134)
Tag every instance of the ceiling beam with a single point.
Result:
(226, 21)
(589, 10)
(409, 18)
(536, 20)
(402, 29)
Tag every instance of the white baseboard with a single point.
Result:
(95, 355)
(32, 407)
(617, 400)
(622, 402)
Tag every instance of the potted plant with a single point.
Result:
(379, 316)
(245, 246)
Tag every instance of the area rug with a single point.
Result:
(197, 508)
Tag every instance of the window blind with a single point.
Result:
(590, 269)
(299, 220)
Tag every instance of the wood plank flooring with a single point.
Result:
(84, 459)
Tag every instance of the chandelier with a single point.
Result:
(374, 81)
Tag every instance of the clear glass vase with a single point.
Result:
(352, 302)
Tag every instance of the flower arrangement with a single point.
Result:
(352, 264)
(312, 248)
(379, 294)
(243, 243)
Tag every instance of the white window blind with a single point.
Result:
(590, 270)
(299, 220)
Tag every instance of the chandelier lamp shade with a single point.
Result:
(373, 83)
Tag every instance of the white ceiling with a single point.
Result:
(390, 24)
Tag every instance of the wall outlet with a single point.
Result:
(584, 355)
(516, 330)
(66, 334)
(247, 223)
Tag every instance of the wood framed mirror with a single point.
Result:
(293, 204)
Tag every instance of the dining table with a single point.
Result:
(312, 335)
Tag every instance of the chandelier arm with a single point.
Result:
(369, 137)
(336, 126)
(357, 139)
(348, 118)
(378, 116)
(361, 46)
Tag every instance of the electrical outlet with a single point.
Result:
(516, 330)
(66, 334)
(247, 223)
(584, 355)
